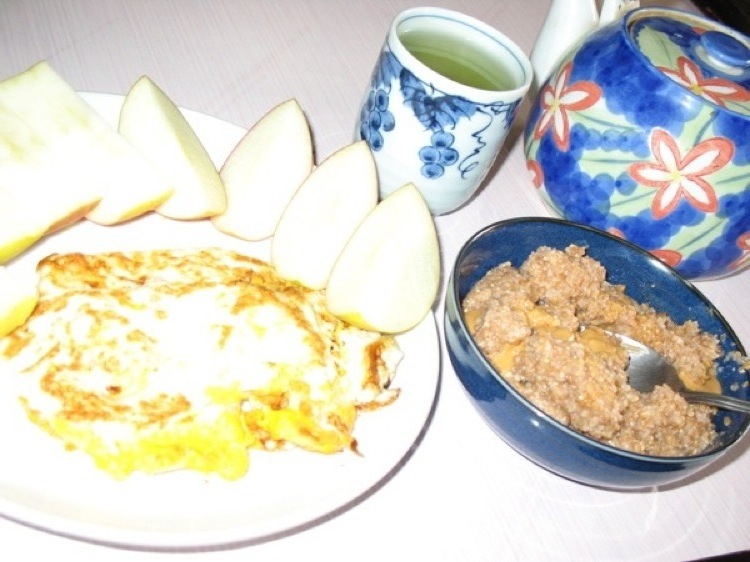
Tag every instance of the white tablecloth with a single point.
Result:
(464, 495)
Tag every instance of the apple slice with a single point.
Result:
(151, 121)
(25, 218)
(387, 276)
(46, 124)
(32, 204)
(264, 171)
(18, 229)
(18, 297)
(323, 214)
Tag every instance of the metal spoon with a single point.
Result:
(649, 368)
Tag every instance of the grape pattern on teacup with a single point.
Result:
(436, 110)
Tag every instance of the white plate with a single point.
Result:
(47, 487)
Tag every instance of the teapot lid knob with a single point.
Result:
(725, 51)
(708, 59)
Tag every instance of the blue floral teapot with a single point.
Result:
(643, 129)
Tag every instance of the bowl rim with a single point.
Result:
(453, 287)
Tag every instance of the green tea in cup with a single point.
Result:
(459, 60)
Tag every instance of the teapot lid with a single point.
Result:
(707, 58)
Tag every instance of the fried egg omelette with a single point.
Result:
(160, 360)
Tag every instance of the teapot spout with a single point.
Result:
(567, 22)
(615, 9)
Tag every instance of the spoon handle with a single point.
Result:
(721, 401)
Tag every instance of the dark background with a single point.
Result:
(734, 13)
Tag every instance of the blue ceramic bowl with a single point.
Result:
(528, 429)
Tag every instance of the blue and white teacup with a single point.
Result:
(440, 102)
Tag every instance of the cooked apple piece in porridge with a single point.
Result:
(544, 326)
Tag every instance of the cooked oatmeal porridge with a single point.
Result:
(529, 322)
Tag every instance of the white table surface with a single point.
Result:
(464, 495)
